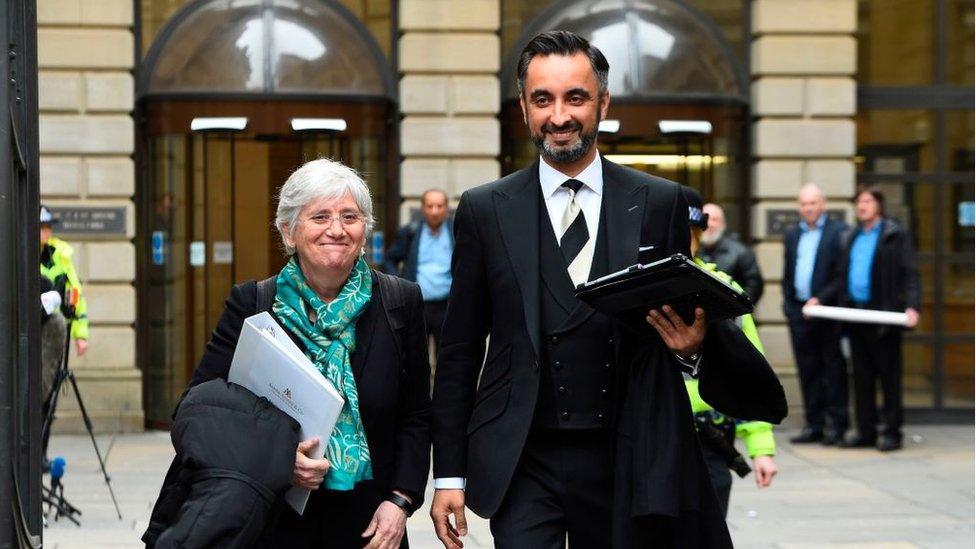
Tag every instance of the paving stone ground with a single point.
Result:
(823, 498)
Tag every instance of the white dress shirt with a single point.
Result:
(589, 197)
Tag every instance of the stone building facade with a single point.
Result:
(446, 57)
(804, 57)
(85, 95)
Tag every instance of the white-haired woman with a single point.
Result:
(365, 335)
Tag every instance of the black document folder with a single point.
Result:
(676, 281)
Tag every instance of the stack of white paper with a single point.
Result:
(269, 364)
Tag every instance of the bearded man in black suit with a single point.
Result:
(572, 426)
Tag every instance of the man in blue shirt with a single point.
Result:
(878, 270)
(422, 253)
(811, 252)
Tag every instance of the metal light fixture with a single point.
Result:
(318, 124)
(223, 123)
(609, 126)
(703, 127)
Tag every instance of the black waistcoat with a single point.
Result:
(576, 384)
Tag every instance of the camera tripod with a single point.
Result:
(54, 496)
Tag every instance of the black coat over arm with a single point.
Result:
(479, 428)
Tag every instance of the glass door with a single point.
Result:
(211, 225)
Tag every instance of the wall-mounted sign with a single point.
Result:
(89, 220)
(778, 221)
(223, 253)
(158, 247)
(198, 253)
(377, 248)
(967, 214)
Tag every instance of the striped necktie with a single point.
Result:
(574, 237)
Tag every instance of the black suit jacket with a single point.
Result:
(895, 284)
(393, 391)
(825, 284)
(479, 427)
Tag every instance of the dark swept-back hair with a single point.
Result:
(565, 43)
(875, 192)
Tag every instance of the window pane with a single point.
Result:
(375, 14)
(917, 383)
(301, 46)
(960, 232)
(959, 141)
(959, 42)
(959, 375)
(660, 32)
(895, 141)
(958, 274)
(958, 314)
(895, 42)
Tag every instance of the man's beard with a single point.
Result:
(711, 238)
(571, 153)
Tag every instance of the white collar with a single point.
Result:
(551, 179)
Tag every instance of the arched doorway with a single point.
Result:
(233, 96)
(679, 96)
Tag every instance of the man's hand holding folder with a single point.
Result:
(683, 339)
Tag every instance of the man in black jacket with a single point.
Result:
(562, 423)
(877, 270)
(730, 255)
(811, 253)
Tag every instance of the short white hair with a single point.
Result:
(315, 180)
(814, 188)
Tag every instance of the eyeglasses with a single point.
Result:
(346, 218)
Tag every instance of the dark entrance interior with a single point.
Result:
(208, 211)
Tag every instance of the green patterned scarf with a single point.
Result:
(328, 344)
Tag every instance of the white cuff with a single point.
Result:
(449, 483)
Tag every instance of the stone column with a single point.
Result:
(85, 63)
(449, 96)
(804, 57)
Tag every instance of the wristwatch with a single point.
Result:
(401, 502)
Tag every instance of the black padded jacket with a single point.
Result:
(234, 458)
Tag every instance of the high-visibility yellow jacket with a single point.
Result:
(56, 266)
(757, 435)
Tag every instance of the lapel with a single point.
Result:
(517, 211)
(820, 258)
(365, 326)
(624, 201)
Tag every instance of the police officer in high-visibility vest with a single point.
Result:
(56, 266)
(717, 432)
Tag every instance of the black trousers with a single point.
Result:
(823, 372)
(563, 486)
(332, 519)
(434, 318)
(876, 355)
